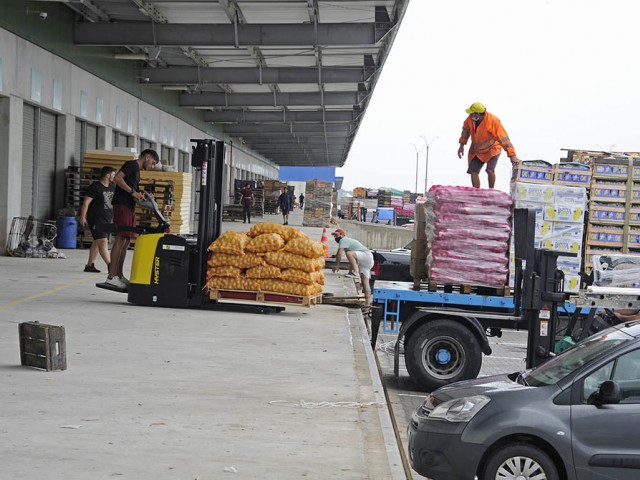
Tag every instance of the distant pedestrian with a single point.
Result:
(97, 209)
(124, 205)
(360, 260)
(488, 138)
(248, 201)
(301, 200)
(284, 202)
(363, 214)
(292, 200)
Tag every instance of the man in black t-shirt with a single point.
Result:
(124, 204)
(96, 208)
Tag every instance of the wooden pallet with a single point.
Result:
(267, 298)
(504, 291)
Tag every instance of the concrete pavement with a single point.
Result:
(158, 393)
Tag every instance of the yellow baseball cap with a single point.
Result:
(476, 108)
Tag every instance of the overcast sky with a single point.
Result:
(558, 74)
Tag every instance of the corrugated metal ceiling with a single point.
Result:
(289, 78)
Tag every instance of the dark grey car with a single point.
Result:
(575, 417)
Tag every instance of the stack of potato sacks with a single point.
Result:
(269, 258)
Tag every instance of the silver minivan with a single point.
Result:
(576, 417)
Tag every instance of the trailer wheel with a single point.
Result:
(440, 352)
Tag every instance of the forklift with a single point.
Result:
(170, 270)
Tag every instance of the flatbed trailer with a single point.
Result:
(445, 333)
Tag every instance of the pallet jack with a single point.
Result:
(170, 270)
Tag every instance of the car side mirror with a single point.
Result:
(608, 393)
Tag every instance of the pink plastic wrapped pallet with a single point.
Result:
(468, 231)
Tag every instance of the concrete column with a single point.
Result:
(10, 164)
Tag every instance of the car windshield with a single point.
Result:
(559, 367)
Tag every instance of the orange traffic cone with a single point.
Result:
(325, 242)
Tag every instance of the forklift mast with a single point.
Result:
(539, 288)
(208, 157)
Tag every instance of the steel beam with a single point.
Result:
(285, 116)
(268, 99)
(253, 75)
(303, 139)
(295, 128)
(148, 34)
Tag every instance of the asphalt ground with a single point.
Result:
(162, 393)
(508, 355)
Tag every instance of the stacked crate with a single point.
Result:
(318, 203)
(384, 197)
(572, 174)
(271, 191)
(560, 212)
(588, 157)
(172, 190)
(359, 192)
(614, 208)
(532, 171)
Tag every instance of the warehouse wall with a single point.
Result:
(30, 75)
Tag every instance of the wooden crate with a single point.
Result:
(532, 171)
(42, 346)
(266, 298)
(572, 174)
(616, 168)
(613, 214)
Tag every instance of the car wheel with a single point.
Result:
(520, 462)
(440, 352)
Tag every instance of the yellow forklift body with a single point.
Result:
(144, 258)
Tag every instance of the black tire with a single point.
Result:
(520, 460)
(440, 352)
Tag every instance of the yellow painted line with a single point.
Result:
(46, 292)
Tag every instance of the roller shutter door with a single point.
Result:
(28, 145)
(46, 166)
(78, 150)
(144, 144)
(92, 137)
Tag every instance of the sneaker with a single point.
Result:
(351, 275)
(126, 281)
(91, 268)
(116, 282)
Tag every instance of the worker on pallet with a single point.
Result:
(124, 205)
(96, 208)
(488, 138)
(360, 261)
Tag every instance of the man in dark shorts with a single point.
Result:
(284, 201)
(488, 138)
(96, 209)
(124, 205)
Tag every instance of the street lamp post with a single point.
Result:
(418, 150)
(426, 167)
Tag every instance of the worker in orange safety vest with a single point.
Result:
(488, 138)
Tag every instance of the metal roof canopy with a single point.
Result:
(289, 78)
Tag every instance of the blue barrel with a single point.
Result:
(67, 232)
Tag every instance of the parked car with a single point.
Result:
(574, 417)
(392, 264)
